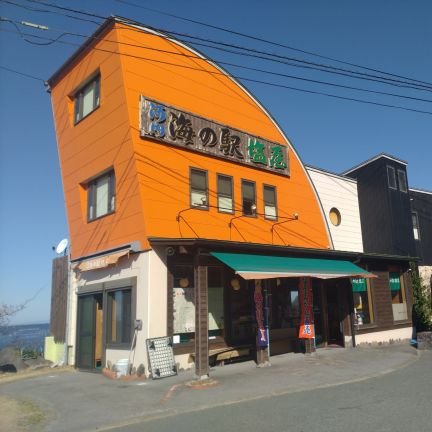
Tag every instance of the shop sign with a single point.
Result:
(182, 129)
(307, 328)
(394, 281)
(358, 284)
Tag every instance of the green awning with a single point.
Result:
(250, 266)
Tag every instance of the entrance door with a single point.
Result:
(89, 338)
(335, 336)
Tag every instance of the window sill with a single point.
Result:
(83, 118)
(100, 217)
(118, 346)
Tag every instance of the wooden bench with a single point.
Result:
(220, 355)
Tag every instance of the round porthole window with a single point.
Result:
(335, 216)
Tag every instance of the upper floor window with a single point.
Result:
(270, 207)
(87, 99)
(225, 194)
(391, 176)
(402, 181)
(198, 189)
(248, 198)
(415, 222)
(101, 196)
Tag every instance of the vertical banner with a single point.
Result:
(259, 307)
(307, 328)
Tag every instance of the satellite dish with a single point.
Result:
(61, 247)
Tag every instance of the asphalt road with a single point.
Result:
(400, 401)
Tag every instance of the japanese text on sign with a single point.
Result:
(182, 129)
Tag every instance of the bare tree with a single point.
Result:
(7, 311)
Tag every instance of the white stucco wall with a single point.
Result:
(385, 336)
(341, 193)
(150, 271)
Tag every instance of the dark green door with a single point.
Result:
(86, 331)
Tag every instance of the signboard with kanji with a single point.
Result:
(172, 126)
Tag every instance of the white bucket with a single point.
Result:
(121, 367)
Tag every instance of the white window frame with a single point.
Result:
(391, 170)
(403, 187)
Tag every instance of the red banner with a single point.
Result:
(307, 328)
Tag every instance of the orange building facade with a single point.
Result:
(167, 162)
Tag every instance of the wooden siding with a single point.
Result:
(382, 299)
(422, 204)
(59, 292)
(385, 213)
(342, 194)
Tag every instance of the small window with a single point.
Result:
(101, 196)
(402, 181)
(391, 176)
(119, 329)
(415, 222)
(270, 207)
(87, 99)
(248, 198)
(198, 189)
(225, 194)
(335, 216)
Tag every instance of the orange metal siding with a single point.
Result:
(152, 179)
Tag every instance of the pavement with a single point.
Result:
(90, 401)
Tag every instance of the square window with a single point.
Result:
(198, 189)
(87, 99)
(402, 181)
(225, 194)
(119, 319)
(101, 196)
(248, 198)
(391, 176)
(270, 207)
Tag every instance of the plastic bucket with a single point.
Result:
(121, 367)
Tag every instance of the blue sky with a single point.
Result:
(391, 35)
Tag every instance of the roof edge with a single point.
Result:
(324, 171)
(91, 40)
(418, 190)
(373, 159)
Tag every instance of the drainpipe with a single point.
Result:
(68, 306)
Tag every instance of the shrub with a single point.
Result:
(422, 308)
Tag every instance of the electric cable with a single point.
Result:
(321, 67)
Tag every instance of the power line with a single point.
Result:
(302, 63)
(237, 66)
(32, 9)
(257, 81)
(249, 79)
(22, 74)
(223, 29)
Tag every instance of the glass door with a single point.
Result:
(88, 329)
